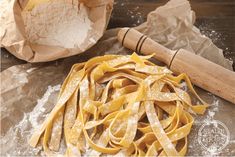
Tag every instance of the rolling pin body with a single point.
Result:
(202, 72)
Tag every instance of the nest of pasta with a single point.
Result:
(123, 105)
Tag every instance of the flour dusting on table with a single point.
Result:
(26, 126)
(208, 129)
(38, 111)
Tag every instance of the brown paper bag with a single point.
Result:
(15, 38)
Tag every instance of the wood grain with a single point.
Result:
(199, 69)
(215, 19)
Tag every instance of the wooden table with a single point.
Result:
(215, 19)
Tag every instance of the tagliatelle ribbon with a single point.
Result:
(120, 105)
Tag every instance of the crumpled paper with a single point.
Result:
(28, 91)
(13, 36)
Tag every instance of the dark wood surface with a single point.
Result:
(215, 19)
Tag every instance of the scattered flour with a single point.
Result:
(30, 70)
(18, 136)
(39, 108)
(217, 38)
(57, 24)
(212, 110)
(21, 78)
(210, 132)
(211, 114)
(135, 14)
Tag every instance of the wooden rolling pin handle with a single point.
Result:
(134, 40)
(202, 72)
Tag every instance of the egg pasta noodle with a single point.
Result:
(120, 105)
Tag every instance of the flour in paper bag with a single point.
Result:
(57, 24)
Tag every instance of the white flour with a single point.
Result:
(39, 108)
(18, 136)
(57, 24)
(30, 70)
(209, 134)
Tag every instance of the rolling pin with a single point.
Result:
(202, 72)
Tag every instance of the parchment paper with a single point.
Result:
(13, 36)
(28, 91)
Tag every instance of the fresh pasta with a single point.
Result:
(120, 105)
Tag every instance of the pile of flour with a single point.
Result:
(57, 23)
